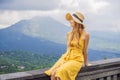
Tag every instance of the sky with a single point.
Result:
(99, 14)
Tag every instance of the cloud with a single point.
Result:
(71, 5)
(85, 6)
(4, 1)
(28, 4)
(99, 14)
(8, 18)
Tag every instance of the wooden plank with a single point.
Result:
(115, 77)
(118, 76)
(109, 78)
(16, 76)
(110, 67)
(99, 74)
(101, 78)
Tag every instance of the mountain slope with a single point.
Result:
(105, 41)
(14, 40)
(42, 27)
(52, 30)
(45, 35)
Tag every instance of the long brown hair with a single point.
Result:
(76, 33)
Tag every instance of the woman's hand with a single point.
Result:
(88, 64)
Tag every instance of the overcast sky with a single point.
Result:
(99, 14)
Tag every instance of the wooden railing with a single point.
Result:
(108, 69)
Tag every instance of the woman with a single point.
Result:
(70, 63)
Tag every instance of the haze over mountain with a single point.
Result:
(48, 36)
(42, 27)
(40, 34)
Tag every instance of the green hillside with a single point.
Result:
(16, 61)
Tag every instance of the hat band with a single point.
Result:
(77, 17)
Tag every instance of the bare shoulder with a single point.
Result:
(86, 35)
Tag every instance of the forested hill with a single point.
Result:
(14, 61)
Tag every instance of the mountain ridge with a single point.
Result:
(46, 28)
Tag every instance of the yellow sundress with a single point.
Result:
(70, 63)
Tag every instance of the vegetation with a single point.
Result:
(16, 61)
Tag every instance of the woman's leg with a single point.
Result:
(59, 62)
(58, 78)
(68, 71)
(53, 76)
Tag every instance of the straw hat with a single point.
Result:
(77, 17)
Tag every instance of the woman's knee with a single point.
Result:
(53, 77)
(53, 73)
(57, 78)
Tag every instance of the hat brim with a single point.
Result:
(70, 17)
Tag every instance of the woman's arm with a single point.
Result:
(85, 51)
